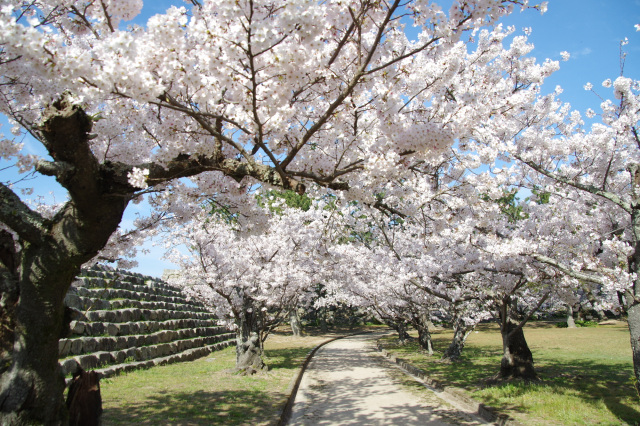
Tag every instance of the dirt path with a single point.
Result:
(349, 383)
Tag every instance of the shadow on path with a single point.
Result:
(348, 383)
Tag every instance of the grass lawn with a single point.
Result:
(586, 373)
(203, 392)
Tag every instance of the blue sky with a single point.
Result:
(590, 30)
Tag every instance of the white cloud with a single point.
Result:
(582, 52)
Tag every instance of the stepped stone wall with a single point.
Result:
(124, 321)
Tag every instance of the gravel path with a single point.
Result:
(349, 383)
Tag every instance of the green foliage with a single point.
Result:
(542, 197)
(220, 212)
(509, 205)
(273, 200)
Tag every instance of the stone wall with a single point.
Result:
(124, 321)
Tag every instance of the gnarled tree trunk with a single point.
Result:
(517, 359)
(249, 348)
(52, 252)
(460, 333)
(422, 324)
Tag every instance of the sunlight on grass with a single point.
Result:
(586, 373)
(205, 391)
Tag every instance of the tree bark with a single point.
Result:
(35, 281)
(570, 321)
(632, 296)
(421, 324)
(460, 333)
(249, 348)
(294, 321)
(401, 328)
(517, 359)
(52, 252)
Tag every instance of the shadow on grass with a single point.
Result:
(198, 408)
(287, 358)
(591, 381)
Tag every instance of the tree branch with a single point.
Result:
(588, 188)
(28, 224)
(568, 271)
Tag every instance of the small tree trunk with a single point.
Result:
(460, 333)
(324, 327)
(401, 328)
(424, 339)
(570, 321)
(294, 321)
(579, 313)
(517, 359)
(249, 349)
(594, 304)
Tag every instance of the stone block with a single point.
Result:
(132, 341)
(97, 329)
(88, 362)
(76, 347)
(124, 329)
(120, 357)
(69, 366)
(109, 344)
(77, 327)
(121, 343)
(104, 358)
(89, 344)
(64, 348)
(102, 304)
(73, 301)
(112, 329)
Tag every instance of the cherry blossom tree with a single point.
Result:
(252, 273)
(592, 176)
(229, 94)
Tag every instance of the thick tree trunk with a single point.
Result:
(570, 321)
(249, 349)
(294, 322)
(632, 296)
(422, 324)
(517, 359)
(634, 332)
(31, 390)
(460, 333)
(52, 252)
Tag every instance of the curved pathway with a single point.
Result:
(349, 383)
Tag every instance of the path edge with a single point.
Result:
(488, 413)
(292, 390)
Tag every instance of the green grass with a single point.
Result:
(204, 391)
(586, 373)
